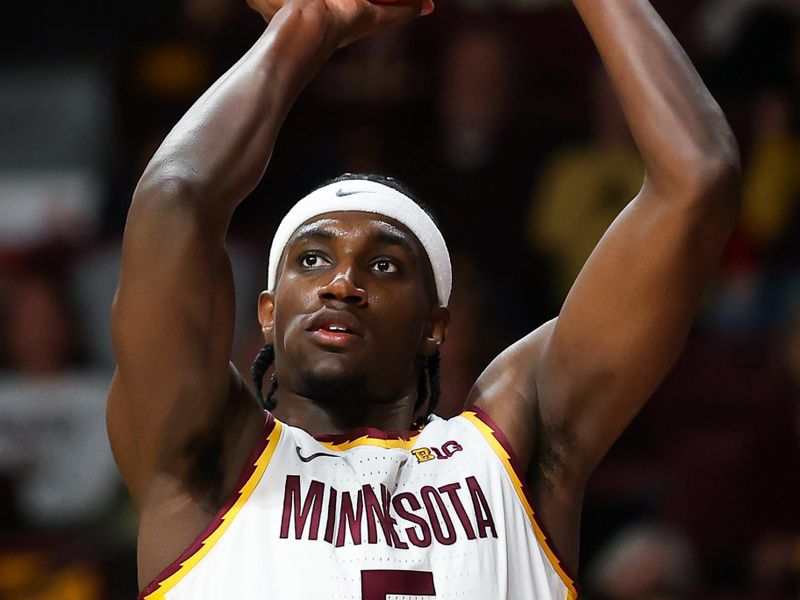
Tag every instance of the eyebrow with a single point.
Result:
(388, 235)
(312, 232)
(393, 237)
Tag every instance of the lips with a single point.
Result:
(335, 328)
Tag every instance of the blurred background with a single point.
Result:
(499, 115)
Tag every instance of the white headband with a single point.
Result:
(368, 196)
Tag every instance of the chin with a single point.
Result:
(329, 381)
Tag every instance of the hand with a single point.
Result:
(351, 20)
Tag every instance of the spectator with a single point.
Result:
(583, 188)
(52, 410)
(474, 162)
(772, 181)
(646, 561)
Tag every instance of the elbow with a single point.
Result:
(714, 201)
(719, 167)
(710, 185)
(712, 167)
(167, 201)
(718, 175)
(164, 185)
(174, 187)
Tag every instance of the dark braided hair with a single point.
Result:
(429, 385)
(265, 357)
(435, 382)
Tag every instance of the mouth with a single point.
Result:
(337, 330)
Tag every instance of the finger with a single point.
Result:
(423, 7)
(395, 12)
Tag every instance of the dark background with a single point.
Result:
(499, 117)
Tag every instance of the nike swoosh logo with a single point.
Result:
(342, 193)
(311, 457)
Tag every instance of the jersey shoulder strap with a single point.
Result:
(501, 447)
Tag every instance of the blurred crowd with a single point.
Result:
(499, 115)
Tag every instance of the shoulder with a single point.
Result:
(507, 391)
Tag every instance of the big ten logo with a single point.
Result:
(446, 451)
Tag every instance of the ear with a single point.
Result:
(266, 315)
(436, 331)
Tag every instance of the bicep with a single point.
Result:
(626, 319)
(172, 327)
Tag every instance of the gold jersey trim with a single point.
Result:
(171, 576)
(497, 441)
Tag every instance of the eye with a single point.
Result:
(312, 261)
(384, 265)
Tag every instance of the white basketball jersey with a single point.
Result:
(372, 515)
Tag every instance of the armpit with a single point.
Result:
(550, 465)
(205, 478)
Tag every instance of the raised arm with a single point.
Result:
(174, 396)
(626, 319)
(567, 391)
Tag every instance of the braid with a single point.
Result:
(272, 401)
(263, 360)
(422, 386)
(429, 387)
(434, 381)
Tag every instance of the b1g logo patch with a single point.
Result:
(446, 451)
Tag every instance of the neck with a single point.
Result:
(322, 417)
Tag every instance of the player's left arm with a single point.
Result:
(566, 392)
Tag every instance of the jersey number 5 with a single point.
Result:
(376, 585)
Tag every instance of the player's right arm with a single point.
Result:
(173, 314)
(174, 395)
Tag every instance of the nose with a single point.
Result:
(343, 288)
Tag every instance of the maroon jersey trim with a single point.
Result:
(367, 432)
(247, 473)
(570, 581)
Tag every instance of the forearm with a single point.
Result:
(219, 150)
(679, 128)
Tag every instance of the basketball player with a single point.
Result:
(334, 492)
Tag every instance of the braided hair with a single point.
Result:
(264, 358)
(429, 384)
